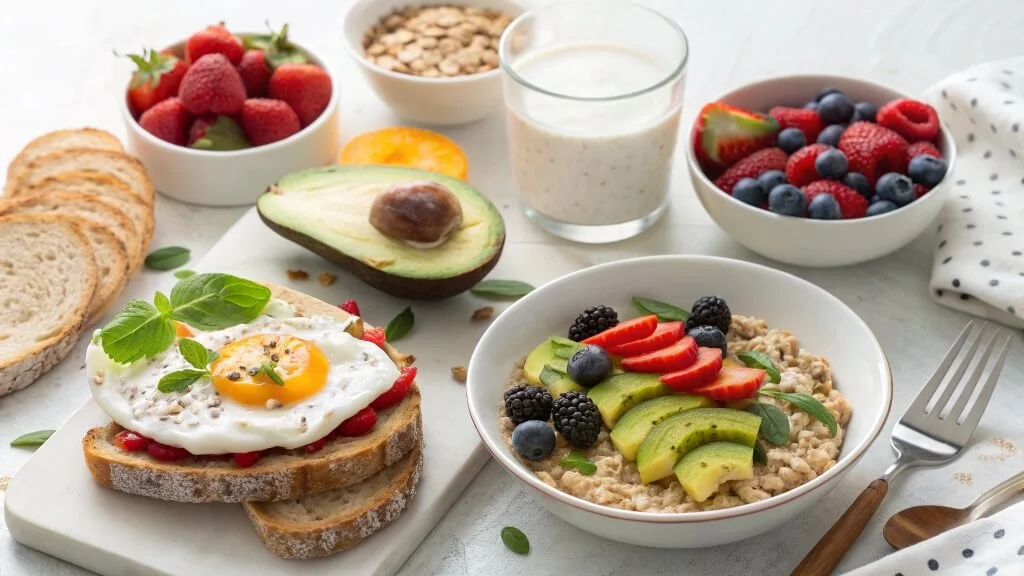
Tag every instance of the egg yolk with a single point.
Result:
(240, 371)
(181, 330)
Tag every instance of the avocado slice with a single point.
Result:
(327, 211)
(620, 392)
(704, 468)
(675, 436)
(637, 422)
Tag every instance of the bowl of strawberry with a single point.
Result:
(820, 171)
(220, 116)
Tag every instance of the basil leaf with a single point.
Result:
(664, 312)
(515, 540)
(179, 380)
(563, 347)
(774, 422)
(167, 258)
(194, 353)
(549, 375)
(502, 288)
(269, 368)
(216, 301)
(399, 325)
(36, 438)
(211, 356)
(762, 361)
(760, 456)
(182, 274)
(579, 462)
(163, 305)
(808, 404)
(140, 330)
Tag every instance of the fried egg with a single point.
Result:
(324, 376)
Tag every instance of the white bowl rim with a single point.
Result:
(695, 168)
(324, 117)
(517, 469)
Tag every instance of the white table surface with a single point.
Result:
(59, 72)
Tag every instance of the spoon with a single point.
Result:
(920, 523)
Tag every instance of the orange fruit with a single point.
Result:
(410, 147)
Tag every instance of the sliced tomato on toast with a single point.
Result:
(664, 335)
(623, 332)
(732, 383)
(669, 359)
(701, 373)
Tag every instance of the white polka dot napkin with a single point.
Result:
(979, 260)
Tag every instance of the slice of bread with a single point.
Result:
(47, 278)
(61, 140)
(119, 164)
(329, 522)
(111, 263)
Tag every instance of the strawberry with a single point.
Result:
(923, 148)
(315, 446)
(305, 87)
(800, 169)
(700, 373)
(873, 150)
(851, 203)
(156, 79)
(727, 133)
(732, 383)
(255, 73)
(663, 335)
(375, 335)
(397, 391)
(168, 121)
(623, 332)
(212, 84)
(246, 459)
(359, 424)
(920, 190)
(214, 40)
(803, 119)
(675, 357)
(351, 307)
(912, 119)
(751, 167)
(166, 453)
(222, 133)
(130, 441)
(265, 120)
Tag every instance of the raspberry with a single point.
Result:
(807, 121)
(800, 169)
(246, 459)
(166, 453)
(921, 148)
(130, 441)
(851, 203)
(360, 424)
(920, 190)
(397, 391)
(751, 167)
(351, 307)
(873, 150)
(375, 335)
(912, 119)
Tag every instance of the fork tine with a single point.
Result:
(971, 420)
(929, 388)
(961, 368)
(968, 390)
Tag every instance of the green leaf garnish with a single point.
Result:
(179, 380)
(270, 370)
(163, 305)
(549, 375)
(194, 353)
(563, 347)
(502, 288)
(140, 330)
(808, 404)
(182, 274)
(224, 134)
(216, 301)
(664, 312)
(578, 461)
(774, 422)
(211, 356)
(760, 456)
(399, 325)
(36, 438)
(515, 540)
(167, 258)
(762, 361)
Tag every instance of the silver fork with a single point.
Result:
(927, 434)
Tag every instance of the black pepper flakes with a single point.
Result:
(234, 376)
(274, 358)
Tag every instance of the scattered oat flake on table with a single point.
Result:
(297, 274)
(1006, 449)
(326, 279)
(459, 373)
(964, 478)
(4, 481)
(485, 313)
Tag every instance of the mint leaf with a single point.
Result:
(224, 134)
(216, 301)
(774, 422)
(140, 330)
(163, 305)
(578, 461)
(194, 353)
(808, 404)
(548, 375)
(269, 368)
(515, 540)
(762, 361)
(167, 258)
(179, 380)
(563, 347)
(760, 456)
(36, 438)
(182, 274)
(664, 312)
(502, 288)
(399, 325)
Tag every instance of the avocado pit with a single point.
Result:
(423, 214)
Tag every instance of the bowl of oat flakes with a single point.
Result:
(679, 401)
(432, 63)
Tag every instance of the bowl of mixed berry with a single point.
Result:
(820, 170)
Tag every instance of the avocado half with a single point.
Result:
(327, 210)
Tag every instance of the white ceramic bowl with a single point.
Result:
(817, 243)
(431, 101)
(236, 177)
(823, 325)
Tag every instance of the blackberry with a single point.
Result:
(592, 321)
(710, 311)
(524, 403)
(576, 417)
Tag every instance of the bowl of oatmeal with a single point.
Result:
(678, 401)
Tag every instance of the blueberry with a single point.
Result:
(590, 365)
(812, 105)
(771, 179)
(895, 187)
(534, 440)
(709, 337)
(927, 170)
(824, 207)
(835, 108)
(831, 134)
(881, 207)
(860, 183)
(791, 140)
(826, 91)
(749, 191)
(831, 164)
(787, 200)
(864, 112)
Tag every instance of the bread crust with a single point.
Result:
(56, 141)
(81, 159)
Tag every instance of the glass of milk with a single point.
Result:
(593, 91)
